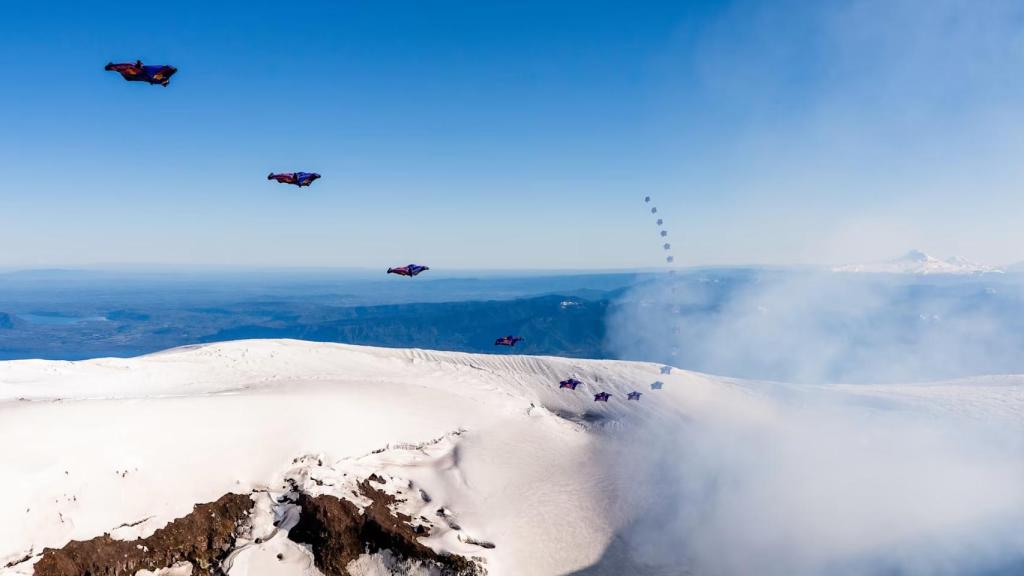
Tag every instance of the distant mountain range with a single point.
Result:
(918, 262)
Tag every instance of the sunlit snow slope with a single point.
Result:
(547, 475)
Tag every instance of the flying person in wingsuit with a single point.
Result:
(138, 72)
(409, 270)
(633, 396)
(657, 385)
(299, 179)
(571, 383)
(602, 397)
(508, 340)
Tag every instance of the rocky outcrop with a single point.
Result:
(336, 530)
(338, 533)
(202, 538)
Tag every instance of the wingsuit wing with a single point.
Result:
(283, 177)
(305, 178)
(127, 71)
(159, 74)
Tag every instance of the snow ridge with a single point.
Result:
(918, 262)
(486, 451)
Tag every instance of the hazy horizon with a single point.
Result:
(174, 267)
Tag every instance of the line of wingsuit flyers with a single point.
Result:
(572, 384)
(161, 74)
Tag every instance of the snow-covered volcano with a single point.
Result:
(485, 458)
(917, 262)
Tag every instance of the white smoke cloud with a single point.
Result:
(814, 479)
(868, 126)
(833, 490)
(816, 328)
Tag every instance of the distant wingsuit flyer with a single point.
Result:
(299, 179)
(139, 72)
(409, 270)
(508, 340)
(571, 383)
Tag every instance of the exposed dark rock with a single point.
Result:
(203, 538)
(133, 524)
(338, 533)
(24, 558)
(447, 517)
(475, 542)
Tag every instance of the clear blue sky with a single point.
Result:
(511, 134)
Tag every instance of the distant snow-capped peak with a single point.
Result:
(918, 262)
